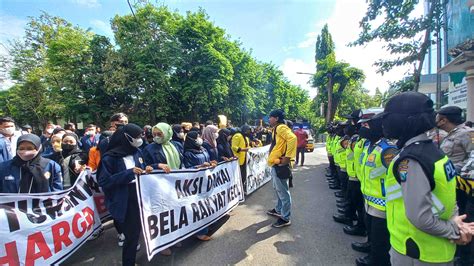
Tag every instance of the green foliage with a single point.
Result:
(407, 37)
(324, 44)
(163, 67)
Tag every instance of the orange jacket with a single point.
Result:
(94, 158)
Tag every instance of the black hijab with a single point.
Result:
(65, 153)
(176, 130)
(32, 177)
(119, 145)
(222, 141)
(190, 142)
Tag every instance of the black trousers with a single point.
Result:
(243, 173)
(380, 241)
(343, 179)
(131, 228)
(332, 165)
(337, 180)
(356, 202)
(300, 151)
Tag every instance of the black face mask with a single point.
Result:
(67, 148)
(350, 130)
(370, 134)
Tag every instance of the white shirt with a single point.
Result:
(11, 142)
(129, 164)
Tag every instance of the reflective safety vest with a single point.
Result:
(350, 157)
(374, 172)
(404, 236)
(358, 156)
(341, 153)
(334, 147)
(328, 144)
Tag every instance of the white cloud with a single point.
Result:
(290, 68)
(87, 3)
(103, 27)
(343, 25)
(11, 28)
(310, 40)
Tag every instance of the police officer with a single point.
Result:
(338, 134)
(460, 139)
(466, 184)
(331, 170)
(355, 203)
(420, 187)
(377, 156)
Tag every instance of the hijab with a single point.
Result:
(190, 143)
(176, 130)
(208, 135)
(119, 145)
(171, 153)
(222, 140)
(32, 179)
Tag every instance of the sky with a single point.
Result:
(279, 31)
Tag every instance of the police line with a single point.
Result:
(258, 171)
(46, 228)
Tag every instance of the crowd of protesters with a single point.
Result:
(54, 160)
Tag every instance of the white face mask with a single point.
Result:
(158, 140)
(27, 155)
(134, 142)
(7, 131)
(199, 141)
(216, 135)
(181, 135)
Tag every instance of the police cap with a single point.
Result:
(450, 110)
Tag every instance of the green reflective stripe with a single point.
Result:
(350, 156)
(353, 178)
(394, 196)
(438, 207)
(393, 188)
(376, 172)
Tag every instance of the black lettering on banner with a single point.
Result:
(183, 217)
(152, 226)
(37, 216)
(12, 218)
(177, 187)
(196, 214)
(53, 210)
(163, 222)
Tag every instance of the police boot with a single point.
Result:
(355, 230)
(335, 186)
(339, 194)
(364, 261)
(341, 218)
(361, 246)
(341, 201)
(343, 204)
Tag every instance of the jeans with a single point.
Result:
(283, 206)
(300, 151)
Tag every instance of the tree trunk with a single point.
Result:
(329, 113)
(424, 47)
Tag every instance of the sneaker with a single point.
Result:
(121, 239)
(273, 212)
(281, 223)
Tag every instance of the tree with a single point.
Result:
(407, 37)
(324, 44)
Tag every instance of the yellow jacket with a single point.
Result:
(285, 144)
(240, 142)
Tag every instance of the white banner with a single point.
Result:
(177, 205)
(46, 228)
(258, 171)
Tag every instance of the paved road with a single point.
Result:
(247, 238)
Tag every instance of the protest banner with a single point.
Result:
(258, 171)
(177, 205)
(46, 228)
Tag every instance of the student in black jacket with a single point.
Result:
(118, 168)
